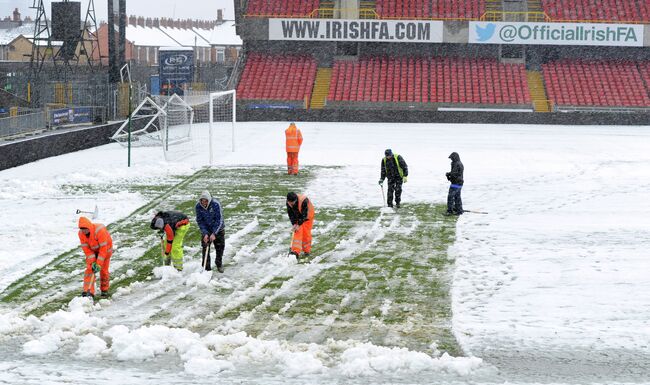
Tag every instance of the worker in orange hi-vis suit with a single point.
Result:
(301, 215)
(294, 141)
(97, 245)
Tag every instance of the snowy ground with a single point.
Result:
(550, 287)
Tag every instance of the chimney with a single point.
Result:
(16, 15)
(132, 20)
(141, 21)
(156, 22)
(148, 22)
(219, 14)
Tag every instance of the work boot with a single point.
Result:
(104, 294)
(307, 255)
(396, 205)
(390, 205)
(449, 213)
(220, 269)
(88, 294)
(295, 255)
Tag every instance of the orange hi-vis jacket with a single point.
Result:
(98, 242)
(294, 138)
(310, 207)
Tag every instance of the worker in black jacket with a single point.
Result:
(396, 170)
(301, 215)
(455, 176)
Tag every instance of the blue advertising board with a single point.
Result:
(176, 70)
(74, 115)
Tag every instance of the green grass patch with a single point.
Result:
(378, 276)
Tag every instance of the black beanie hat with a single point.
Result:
(388, 152)
(292, 197)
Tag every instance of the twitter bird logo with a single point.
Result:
(485, 33)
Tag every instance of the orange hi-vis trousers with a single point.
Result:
(89, 276)
(301, 240)
(292, 163)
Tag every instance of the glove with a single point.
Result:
(96, 267)
(405, 179)
(448, 175)
(381, 182)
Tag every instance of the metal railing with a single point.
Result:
(14, 126)
(31, 122)
(515, 16)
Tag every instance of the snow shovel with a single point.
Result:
(206, 256)
(383, 197)
(95, 213)
(162, 251)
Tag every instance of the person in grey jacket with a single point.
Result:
(209, 217)
(455, 176)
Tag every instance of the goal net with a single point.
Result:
(215, 119)
(177, 126)
(143, 128)
(196, 124)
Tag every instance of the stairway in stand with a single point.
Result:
(367, 9)
(326, 9)
(321, 88)
(538, 92)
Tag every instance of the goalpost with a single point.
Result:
(223, 109)
(176, 137)
(196, 122)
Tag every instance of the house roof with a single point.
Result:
(9, 35)
(152, 37)
(224, 34)
(186, 37)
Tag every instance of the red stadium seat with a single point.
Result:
(277, 77)
(435, 80)
(596, 83)
(598, 10)
(269, 8)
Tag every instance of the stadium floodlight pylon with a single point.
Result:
(222, 109)
(151, 117)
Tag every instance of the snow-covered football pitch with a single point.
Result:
(549, 287)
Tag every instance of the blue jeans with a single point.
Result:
(454, 201)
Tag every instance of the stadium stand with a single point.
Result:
(277, 77)
(276, 8)
(644, 68)
(429, 80)
(425, 9)
(595, 83)
(598, 10)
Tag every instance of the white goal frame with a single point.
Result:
(122, 132)
(214, 95)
